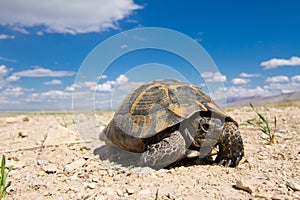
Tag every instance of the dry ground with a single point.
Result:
(50, 162)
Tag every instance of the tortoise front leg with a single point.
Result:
(231, 149)
(165, 152)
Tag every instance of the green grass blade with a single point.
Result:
(265, 121)
(251, 123)
(2, 170)
(252, 106)
(264, 131)
(264, 125)
(275, 124)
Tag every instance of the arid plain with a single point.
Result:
(50, 161)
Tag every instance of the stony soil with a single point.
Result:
(50, 162)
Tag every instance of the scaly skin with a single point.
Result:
(231, 148)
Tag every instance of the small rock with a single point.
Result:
(166, 190)
(292, 185)
(116, 178)
(50, 168)
(41, 162)
(130, 190)
(21, 118)
(109, 192)
(242, 186)
(15, 164)
(296, 196)
(25, 119)
(277, 197)
(145, 192)
(95, 179)
(28, 177)
(100, 198)
(91, 185)
(22, 134)
(74, 165)
(110, 173)
(120, 193)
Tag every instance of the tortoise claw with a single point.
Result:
(237, 161)
(222, 162)
(228, 163)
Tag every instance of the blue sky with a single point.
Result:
(254, 44)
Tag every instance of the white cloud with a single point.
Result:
(296, 79)
(87, 84)
(277, 79)
(17, 28)
(105, 95)
(122, 79)
(112, 100)
(39, 72)
(69, 16)
(105, 87)
(7, 59)
(244, 92)
(276, 62)
(102, 77)
(40, 33)
(245, 75)
(108, 85)
(53, 94)
(238, 81)
(3, 70)
(4, 36)
(53, 82)
(12, 78)
(283, 87)
(213, 77)
(15, 91)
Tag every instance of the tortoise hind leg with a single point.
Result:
(165, 152)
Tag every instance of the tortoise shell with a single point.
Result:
(151, 110)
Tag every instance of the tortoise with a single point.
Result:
(168, 120)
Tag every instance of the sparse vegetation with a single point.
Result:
(66, 124)
(263, 125)
(3, 177)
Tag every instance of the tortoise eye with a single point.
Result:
(204, 125)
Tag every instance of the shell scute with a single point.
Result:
(154, 107)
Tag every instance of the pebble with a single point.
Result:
(50, 168)
(21, 118)
(166, 191)
(91, 185)
(15, 164)
(120, 193)
(25, 119)
(292, 185)
(95, 179)
(278, 197)
(74, 165)
(41, 162)
(130, 190)
(296, 196)
(144, 192)
(242, 186)
(109, 192)
(22, 134)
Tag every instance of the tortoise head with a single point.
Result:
(207, 135)
(215, 131)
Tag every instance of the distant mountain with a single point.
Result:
(274, 99)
